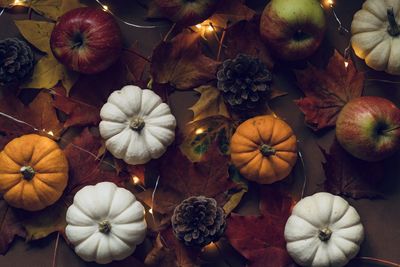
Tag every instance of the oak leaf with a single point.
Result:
(210, 103)
(328, 90)
(181, 63)
(260, 238)
(48, 71)
(9, 226)
(349, 176)
(17, 119)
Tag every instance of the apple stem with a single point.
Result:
(392, 129)
(393, 28)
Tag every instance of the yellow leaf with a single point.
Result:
(37, 33)
(53, 9)
(48, 71)
(210, 104)
(68, 79)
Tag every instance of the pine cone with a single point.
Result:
(198, 221)
(245, 82)
(16, 61)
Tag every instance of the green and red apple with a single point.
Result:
(368, 128)
(293, 29)
(187, 12)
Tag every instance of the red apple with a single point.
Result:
(369, 128)
(86, 40)
(187, 12)
(293, 29)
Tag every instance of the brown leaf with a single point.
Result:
(180, 179)
(40, 114)
(210, 103)
(237, 42)
(79, 113)
(135, 64)
(260, 239)
(327, 91)
(181, 63)
(349, 176)
(9, 226)
(230, 12)
(85, 168)
(169, 252)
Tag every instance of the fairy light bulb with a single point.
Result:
(330, 3)
(135, 180)
(151, 211)
(346, 64)
(105, 8)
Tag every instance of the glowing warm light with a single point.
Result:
(330, 3)
(346, 64)
(50, 133)
(151, 211)
(135, 180)
(19, 3)
(199, 131)
(198, 26)
(105, 8)
(210, 28)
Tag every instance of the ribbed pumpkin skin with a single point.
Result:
(50, 178)
(246, 144)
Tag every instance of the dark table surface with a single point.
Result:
(380, 217)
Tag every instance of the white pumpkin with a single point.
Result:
(376, 35)
(136, 125)
(105, 223)
(323, 231)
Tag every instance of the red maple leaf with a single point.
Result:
(328, 90)
(349, 176)
(260, 238)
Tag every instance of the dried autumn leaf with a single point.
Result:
(236, 197)
(230, 12)
(349, 176)
(169, 252)
(79, 113)
(203, 134)
(9, 226)
(327, 91)
(48, 71)
(237, 42)
(181, 178)
(85, 169)
(210, 103)
(51, 9)
(39, 114)
(260, 238)
(181, 63)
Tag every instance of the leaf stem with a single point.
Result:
(221, 43)
(391, 129)
(169, 32)
(137, 54)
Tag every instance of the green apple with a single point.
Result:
(294, 29)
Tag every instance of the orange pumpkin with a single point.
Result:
(33, 172)
(264, 149)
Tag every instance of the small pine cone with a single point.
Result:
(16, 61)
(245, 82)
(198, 221)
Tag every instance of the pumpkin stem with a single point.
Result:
(104, 227)
(267, 150)
(27, 172)
(393, 28)
(325, 234)
(137, 124)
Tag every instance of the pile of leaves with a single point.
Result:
(198, 162)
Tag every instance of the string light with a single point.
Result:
(346, 64)
(199, 131)
(20, 3)
(135, 179)
(151, 211)
(107, 9)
